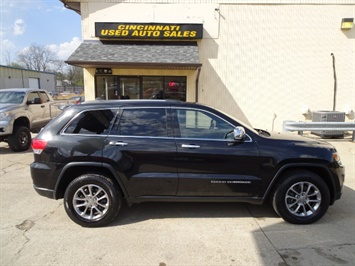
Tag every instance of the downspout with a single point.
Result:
(335, 83)
(196, 88)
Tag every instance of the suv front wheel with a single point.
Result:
(92, 200)
(302, 197)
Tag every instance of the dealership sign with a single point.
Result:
(148, 30)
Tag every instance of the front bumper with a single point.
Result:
(5, 128)
(339, 175)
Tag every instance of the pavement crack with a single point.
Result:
(13, 167)
(24, 226)
(18, 253)
(307, 248)
(51, 212)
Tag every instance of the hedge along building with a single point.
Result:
(261, 61)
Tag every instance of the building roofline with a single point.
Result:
(26, 69)
(86, 64)
(75, 6)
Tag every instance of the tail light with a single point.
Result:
(38, 145)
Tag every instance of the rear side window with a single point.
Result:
(151, 122)
(91, 122)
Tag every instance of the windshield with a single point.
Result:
(11, 96)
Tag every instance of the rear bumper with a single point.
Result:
(49, 193)
(42, 177)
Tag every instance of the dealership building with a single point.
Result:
(263, 62)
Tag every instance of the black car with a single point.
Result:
(96, 154)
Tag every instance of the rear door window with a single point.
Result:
(149, 122)
(96, 122)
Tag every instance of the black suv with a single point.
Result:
(98, 153)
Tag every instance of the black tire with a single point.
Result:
(302, 197)
(20, 140)
(83, 206)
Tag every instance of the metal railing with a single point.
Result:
(319, 126)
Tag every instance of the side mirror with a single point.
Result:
(239, 133)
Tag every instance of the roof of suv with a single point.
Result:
(21, 89)
(118, 103)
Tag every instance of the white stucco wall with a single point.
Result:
(276, 60)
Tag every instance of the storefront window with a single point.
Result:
(141, 87)
(153, 87)
(175, 88)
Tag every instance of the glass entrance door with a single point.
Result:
(113, 87)
(129, 88)
(106, 87)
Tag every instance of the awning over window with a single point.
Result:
(161, 55)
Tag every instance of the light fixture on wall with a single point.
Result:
(103, 71)
(347, 23)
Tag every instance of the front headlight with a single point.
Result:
(3, 115)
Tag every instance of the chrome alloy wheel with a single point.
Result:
(303, 199)
(91, 202)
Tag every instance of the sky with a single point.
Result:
(41, 22)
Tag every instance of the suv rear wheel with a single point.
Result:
(92, 200)
(301, 198)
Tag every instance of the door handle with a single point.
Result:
(117, 143)
(42, 106)
(190, 146)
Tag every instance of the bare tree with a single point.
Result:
(36, 57)
(75, 75)
(7, 57)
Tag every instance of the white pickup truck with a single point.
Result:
(23, 111)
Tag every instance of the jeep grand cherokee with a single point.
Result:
(97, 154)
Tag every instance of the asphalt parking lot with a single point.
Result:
(36, 230)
